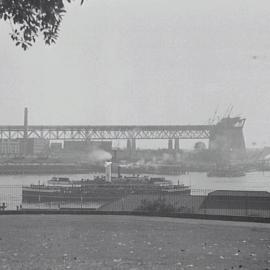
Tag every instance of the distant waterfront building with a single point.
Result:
(87, 146)
(199, 146)
(10, 147)
(28, 147)
(56, 147)
(36, 146)
(74, 146)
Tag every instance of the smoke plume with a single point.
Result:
(99, 156)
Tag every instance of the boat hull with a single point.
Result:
(89, 194)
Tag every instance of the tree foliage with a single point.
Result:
(161, 206)
(31, 18)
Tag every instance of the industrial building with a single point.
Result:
(31, 147)
(36, 146)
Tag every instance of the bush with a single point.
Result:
(157, 206)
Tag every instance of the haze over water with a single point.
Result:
(252, 181)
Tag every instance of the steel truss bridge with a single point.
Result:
(106, 132)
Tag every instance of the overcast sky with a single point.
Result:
(145, 62)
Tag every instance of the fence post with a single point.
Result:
(192, 197)
(122, 203)
(205, 199)
(246, 205)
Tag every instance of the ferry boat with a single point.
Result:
(100, 188)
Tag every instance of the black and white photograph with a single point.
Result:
(134, 134)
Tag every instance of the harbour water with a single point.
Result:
(252, 180)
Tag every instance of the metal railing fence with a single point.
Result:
(194, 201)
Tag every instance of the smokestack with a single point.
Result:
(108, 171)
(25, 135)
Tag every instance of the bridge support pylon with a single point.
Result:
(227, 139)
(170, 144)
(176, 144)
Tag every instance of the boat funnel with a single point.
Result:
(108, 171)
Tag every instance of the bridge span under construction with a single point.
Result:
(227, 134)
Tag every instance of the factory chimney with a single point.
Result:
(25, 134)
(108, 171)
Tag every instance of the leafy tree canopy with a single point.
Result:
(30, 18)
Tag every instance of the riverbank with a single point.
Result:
(120, 242)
